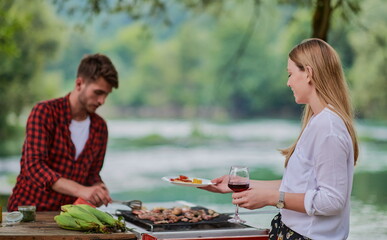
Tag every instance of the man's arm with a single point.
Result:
(38, 132)
(97, 194)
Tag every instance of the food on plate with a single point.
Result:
(197, 181)
(186, 179)
(176, 214)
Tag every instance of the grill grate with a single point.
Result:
(215, 223)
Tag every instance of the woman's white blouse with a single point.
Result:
(322, 167)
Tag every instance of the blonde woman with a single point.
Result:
(314, 193)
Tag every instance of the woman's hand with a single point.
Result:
(260, 194)
(254, 198)
(220, 185)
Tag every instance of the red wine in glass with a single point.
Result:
(238, 181)
(238, 187)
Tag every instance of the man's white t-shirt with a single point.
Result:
(79, 134)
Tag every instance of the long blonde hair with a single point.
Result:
(330, 83)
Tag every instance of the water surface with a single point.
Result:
(134, 165)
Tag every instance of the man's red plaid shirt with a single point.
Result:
(49, 153)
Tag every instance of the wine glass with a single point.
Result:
(238, 181)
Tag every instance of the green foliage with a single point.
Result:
(12, 144)
(188, 74)
(369, 71)
(207, 58)
(251, 86)
(78, 44)
(192, 59)
(4, 201)
(30, 36)
(218, 59)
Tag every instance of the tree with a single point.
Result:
(29, 36)
(323, 11)
(152, 12)
(160, 9)
(368, 74)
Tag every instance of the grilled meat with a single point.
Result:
(176, 214)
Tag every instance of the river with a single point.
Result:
(141, 152)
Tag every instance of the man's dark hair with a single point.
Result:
(97, 65)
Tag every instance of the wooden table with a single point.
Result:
(45, 228)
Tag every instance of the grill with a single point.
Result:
(215, 223)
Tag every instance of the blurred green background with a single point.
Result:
(194, 60)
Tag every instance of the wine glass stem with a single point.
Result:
(236, 211)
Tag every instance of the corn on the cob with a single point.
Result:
(88, 226)
(102, 216)
(80, 213)
(64, 207)
(65, 213)
(82, 218)
(106, 218)
(67, 222)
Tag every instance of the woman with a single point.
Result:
(314, 193)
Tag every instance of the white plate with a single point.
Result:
(205, 182)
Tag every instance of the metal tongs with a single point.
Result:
(133, 204)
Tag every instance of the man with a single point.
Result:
(65, 143)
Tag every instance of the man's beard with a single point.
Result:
(83, 103)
